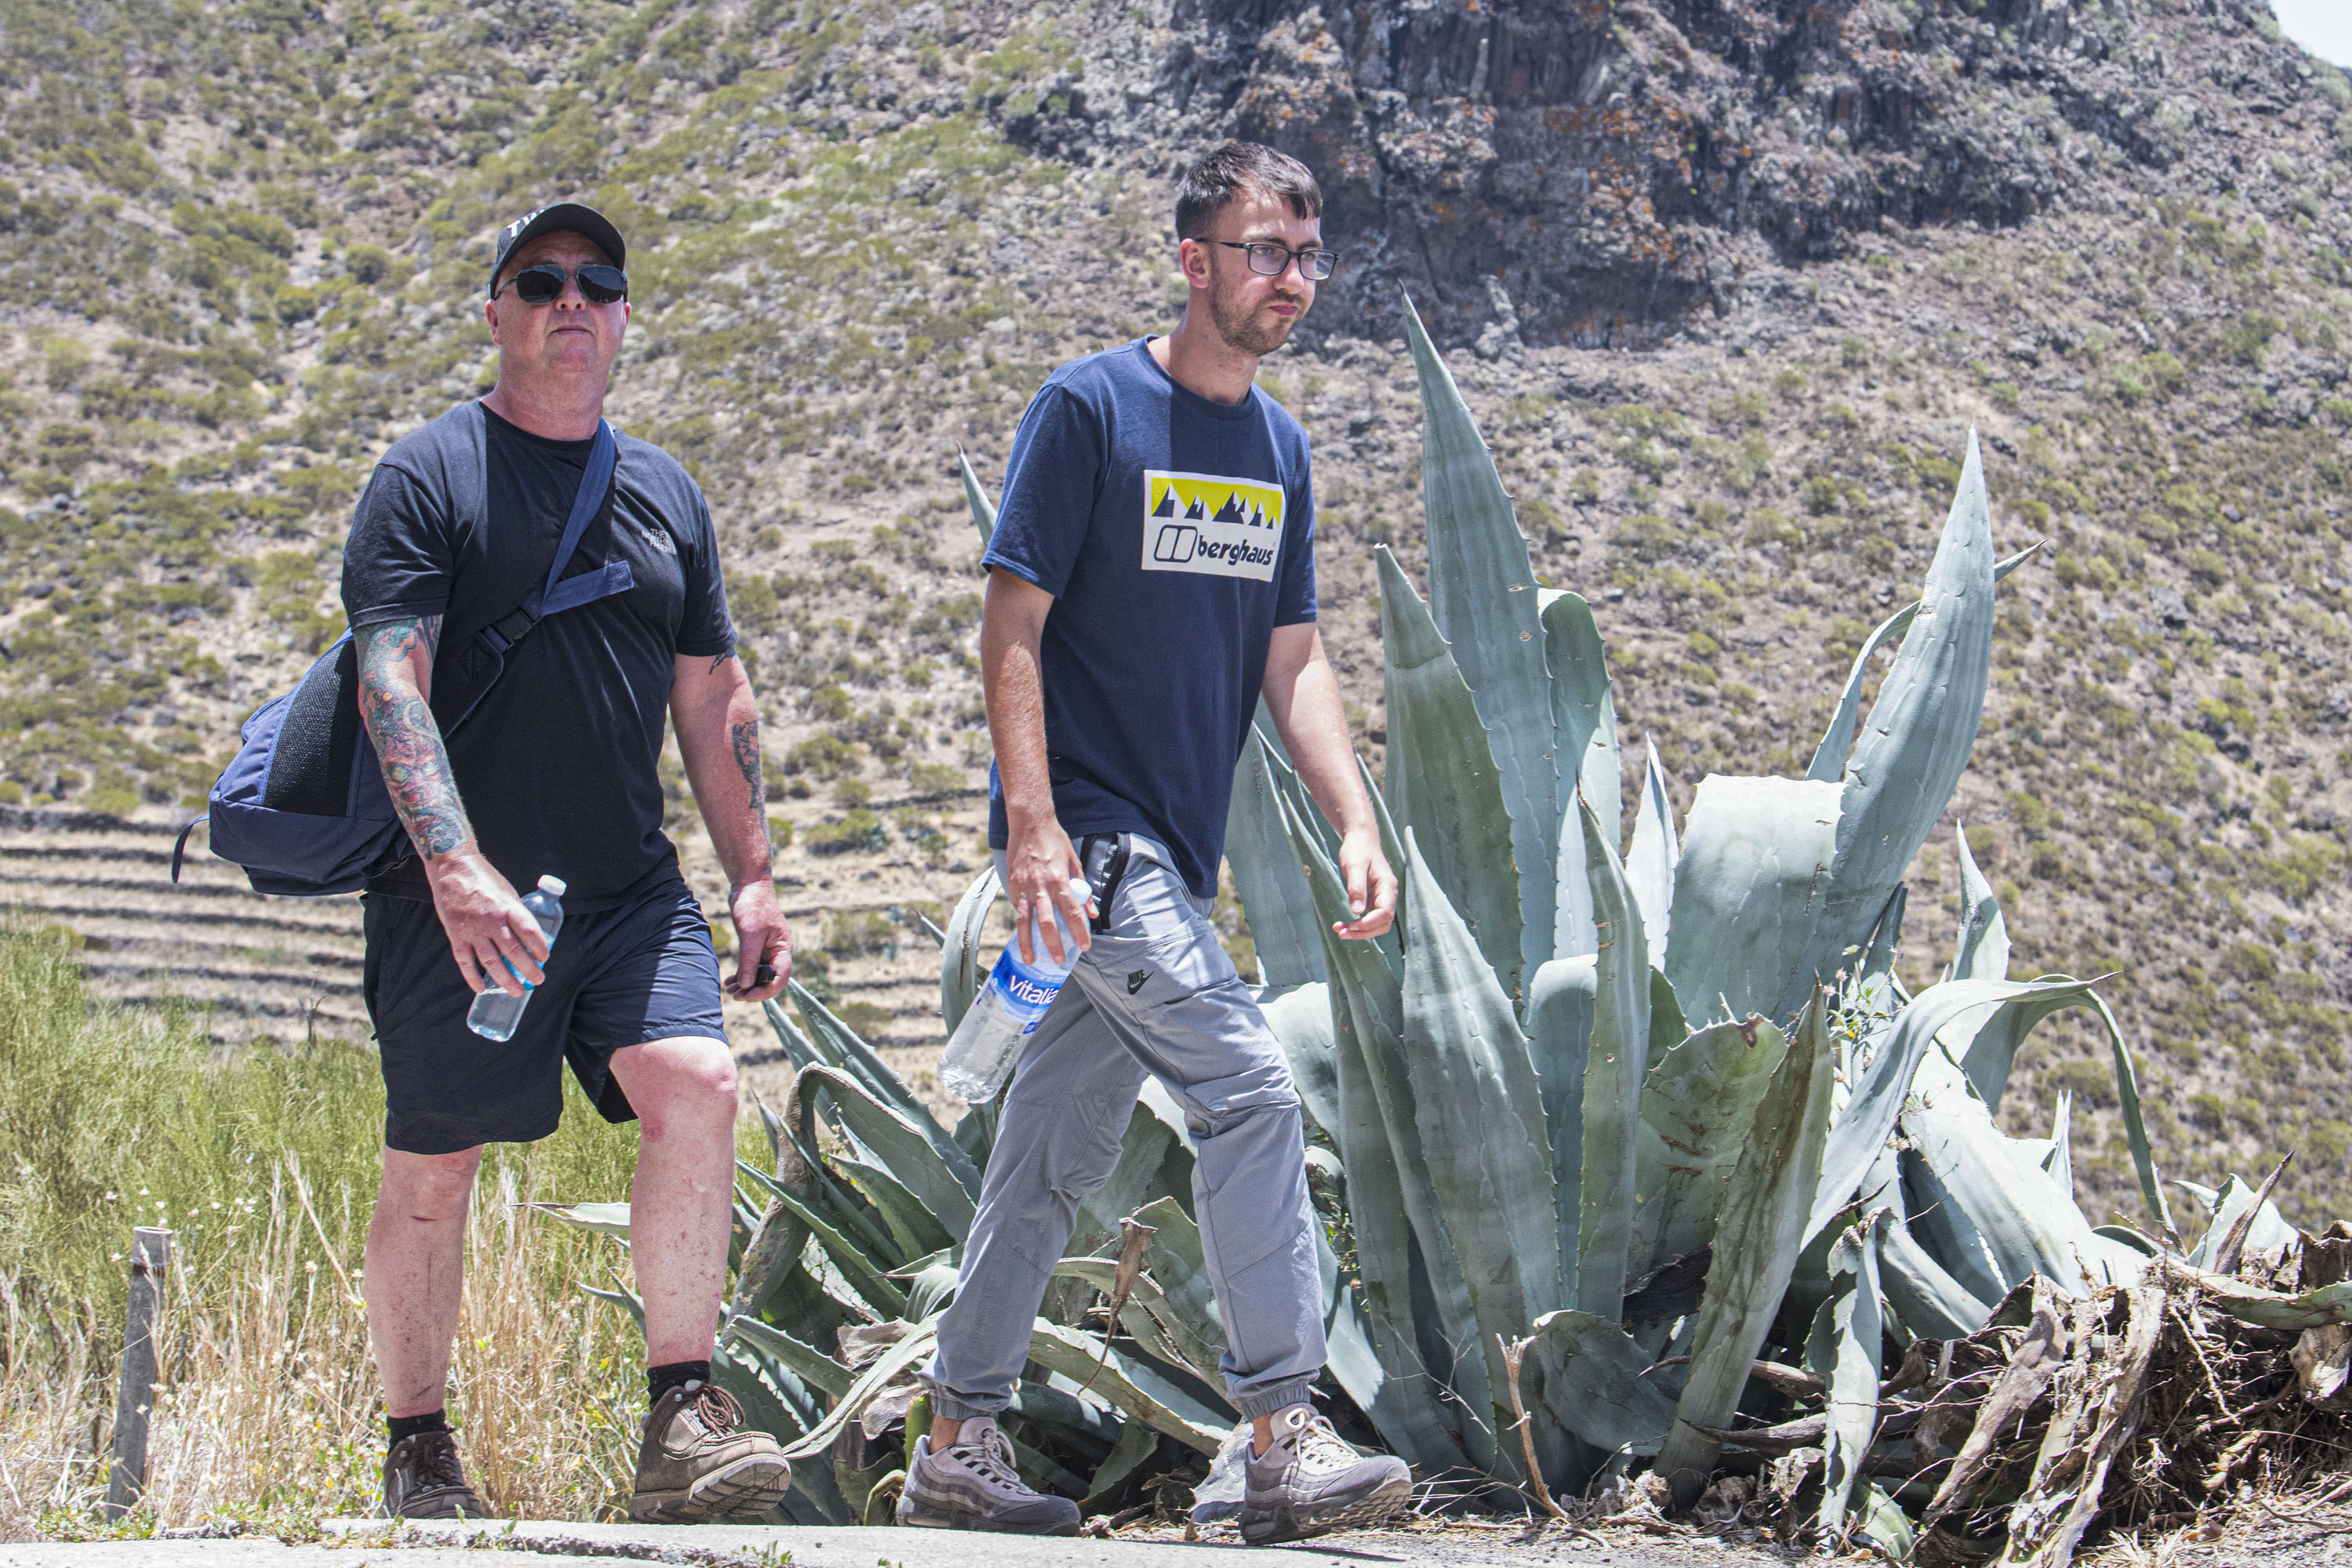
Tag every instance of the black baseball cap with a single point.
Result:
(584, 221)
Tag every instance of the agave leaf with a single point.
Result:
(1399, 1402)
(611, 1219)
(2268, 1230)
(894, 1362)
(1925, 1297)
(1145, 1316)
(797, 1046)
(1483, 589)
(1130, 1385)
(1480, 1113)
(1594, 1386)
(1698, 1104)
(1650, 860)
(1613, 1083)
(911, 1225)
(962, 965)
(1830, 755)
(808, 1364)
(1559, 1037)
(1986, 1046)
(1441, 783)
(907, 1155)
(1381, 1146)
(1965, 1173)
(1584, 723)
(1881, 1085)
(774, 1253)
(2315, 1309)
(984, 511)
(1856, 1321)
(2135, 1125)
(1983, 950)
(1879, 1521)
(1300, 1017)
(1757, 1240)
(1915, 745)
(859, 1268)
(1267, 876)
(2060, 1162)
(1137, 1443)
(1756, 855)
(880, 1081)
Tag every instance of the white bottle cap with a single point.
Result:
(552, 886)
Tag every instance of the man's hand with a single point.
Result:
(1371, 886)
(1040, 865)
(492, 936)
(763, 941)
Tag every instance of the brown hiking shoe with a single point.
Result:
(423, 1478)
(696, 1465)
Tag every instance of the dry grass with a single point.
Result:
(264, 1166)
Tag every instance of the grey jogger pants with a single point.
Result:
(1156, 993)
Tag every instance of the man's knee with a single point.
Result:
(1265, 1095)
(429, 1187)
(687, 1082)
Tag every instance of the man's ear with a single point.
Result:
(1192, 257)
(490, 314)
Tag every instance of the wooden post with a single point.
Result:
(151, 1259)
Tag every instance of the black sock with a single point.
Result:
(410, 1425)
(660, 1380)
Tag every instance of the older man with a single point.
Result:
(553, 773)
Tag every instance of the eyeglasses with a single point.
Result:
(543, 284)
(1269, 259)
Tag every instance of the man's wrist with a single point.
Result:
(1025, 815)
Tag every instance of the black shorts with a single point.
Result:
(618, 977)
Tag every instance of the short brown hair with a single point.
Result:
(1235, 168)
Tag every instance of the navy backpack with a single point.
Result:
(302, 807)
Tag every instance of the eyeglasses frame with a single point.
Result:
(1289, 257)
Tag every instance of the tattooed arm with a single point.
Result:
(718, 726)
(479, 912)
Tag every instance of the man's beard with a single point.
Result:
(1241, 330)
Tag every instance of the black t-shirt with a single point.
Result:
(557, 765)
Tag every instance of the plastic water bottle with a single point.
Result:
(495, 1015)
(990, 1040)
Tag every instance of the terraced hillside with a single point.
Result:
(1728, 284)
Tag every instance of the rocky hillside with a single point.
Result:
(1727, 281)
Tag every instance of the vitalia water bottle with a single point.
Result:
(496, 1014)
(990, 1040)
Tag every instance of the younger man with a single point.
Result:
(1151, 573)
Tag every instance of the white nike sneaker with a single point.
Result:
(1309, 1482)
(973, 1486)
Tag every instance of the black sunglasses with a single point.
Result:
(1269, 259)
(543, 284)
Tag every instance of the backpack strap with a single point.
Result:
(558, 593)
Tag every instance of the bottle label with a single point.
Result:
(1026, 992)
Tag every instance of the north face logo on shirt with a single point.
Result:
(1211, 523)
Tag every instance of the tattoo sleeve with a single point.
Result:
(745, 738)
(408, 740)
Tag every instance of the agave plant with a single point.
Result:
(1597, 1128)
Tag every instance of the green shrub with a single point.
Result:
(853, 932)
(859, 829)
(1647, 537)
(827, 756)
(931, 780)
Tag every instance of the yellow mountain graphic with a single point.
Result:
(1212, 498)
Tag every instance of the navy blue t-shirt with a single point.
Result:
(1175, 535)
(559, 767)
